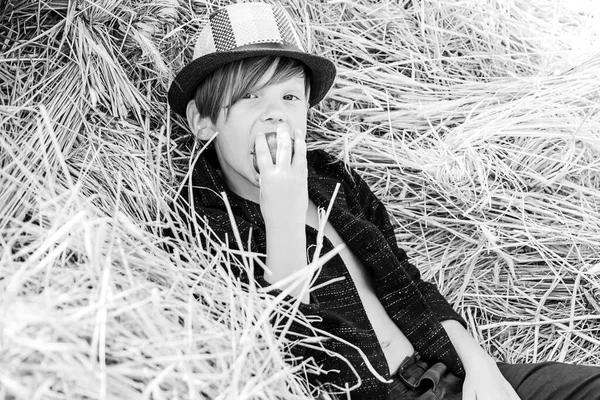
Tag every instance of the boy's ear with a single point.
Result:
(201, 127)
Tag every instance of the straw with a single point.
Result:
(476, 122)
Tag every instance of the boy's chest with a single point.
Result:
(394, 343)
(353, 264)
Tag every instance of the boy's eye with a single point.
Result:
(249, 96)
(291, 97)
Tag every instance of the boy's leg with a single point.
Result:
(553, 381)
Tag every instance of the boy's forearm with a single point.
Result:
(470, 352)
(286, 255)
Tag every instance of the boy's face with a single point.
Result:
(280, 105)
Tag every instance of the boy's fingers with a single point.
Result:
(284, 147)
(300, 140)
(263, 155)
(299, 148)
(290, 149)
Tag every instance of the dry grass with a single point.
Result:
(477, 122)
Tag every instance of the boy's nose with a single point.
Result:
(273, 111)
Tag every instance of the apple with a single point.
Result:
(272, 143)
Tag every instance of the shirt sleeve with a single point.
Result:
(375, 212)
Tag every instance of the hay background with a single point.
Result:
(477, 122)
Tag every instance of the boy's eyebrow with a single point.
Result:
(287, 82)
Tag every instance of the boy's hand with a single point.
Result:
(483, 379)
(487, 383)
(283, 185)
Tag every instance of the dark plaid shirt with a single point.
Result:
(362, 222)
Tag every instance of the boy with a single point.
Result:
(249, 87)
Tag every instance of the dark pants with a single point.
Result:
(419, 379)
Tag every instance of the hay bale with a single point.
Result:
(477, 122)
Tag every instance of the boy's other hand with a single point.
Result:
(283, 184)
(486, 382)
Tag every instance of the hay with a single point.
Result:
(477, 122)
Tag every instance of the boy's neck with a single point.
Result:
(243, 189)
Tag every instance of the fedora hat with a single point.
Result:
(245, 30)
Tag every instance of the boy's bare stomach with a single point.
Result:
(394, 343)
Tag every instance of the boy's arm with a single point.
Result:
(286, 254)
(483, 379)
(482, 376)
(284, 203)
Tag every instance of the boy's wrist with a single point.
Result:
(283, 225)
(471, 354)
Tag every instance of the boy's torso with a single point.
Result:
(394, 343)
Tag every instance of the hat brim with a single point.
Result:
(183, 88)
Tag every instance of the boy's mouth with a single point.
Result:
(272, 143)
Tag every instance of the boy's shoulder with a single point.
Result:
(325, 165)
(321, 162)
